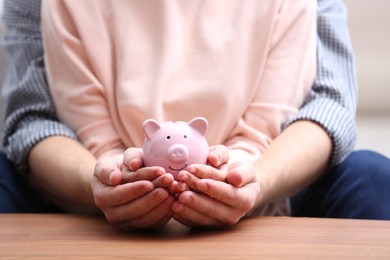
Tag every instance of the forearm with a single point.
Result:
(335, 88)
(61, 170)
(295, 159)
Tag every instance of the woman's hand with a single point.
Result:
(219, 195)
(132, 196)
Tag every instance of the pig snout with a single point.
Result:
(178, 153)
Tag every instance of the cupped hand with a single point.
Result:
(132, 196)
(219, 195)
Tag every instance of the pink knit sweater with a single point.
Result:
(246, 66)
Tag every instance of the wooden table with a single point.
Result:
(43, 236)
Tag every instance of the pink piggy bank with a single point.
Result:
(175, 145)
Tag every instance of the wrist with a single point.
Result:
(294, 160)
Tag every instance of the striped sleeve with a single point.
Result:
(30, 116)
(332, 100)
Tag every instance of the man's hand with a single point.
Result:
(131, 196)
(219, 194)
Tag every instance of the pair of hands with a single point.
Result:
(135, 197)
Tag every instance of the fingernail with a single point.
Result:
(160, 195)
(191, 169)
(183, 177)
(202, 186)
(218, 158)
(185, 199)
(183, 188)
(177, 207)
(129, 164)
(148, 188)
(159, 173)
(110, 177)
(113, 178)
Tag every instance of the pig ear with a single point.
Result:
(200, 124)
(149, 127)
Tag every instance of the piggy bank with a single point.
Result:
(175, 145)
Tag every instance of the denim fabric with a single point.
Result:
(15, 195)
(357, 188)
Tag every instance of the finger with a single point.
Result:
(208, 172)
(154, 218)
(204, 211)
(240, 175)
(178, 187)
(131, 214)
(218, 155)
(108, 170)
(192, 218)
(108, 196)
(187, 180)
(182, 220)
(144, 204)
(145, 173)
(240, 198)
(163, 219)
(108, 176)
(163, 181)
(115, 177)
(195, 219)
(224, 192)
(133, 158)
(196, 172)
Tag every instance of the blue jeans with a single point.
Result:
(15, 194)
(357, 188)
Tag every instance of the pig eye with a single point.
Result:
(185, 136)
(168, 137)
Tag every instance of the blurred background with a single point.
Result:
(369, 24)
